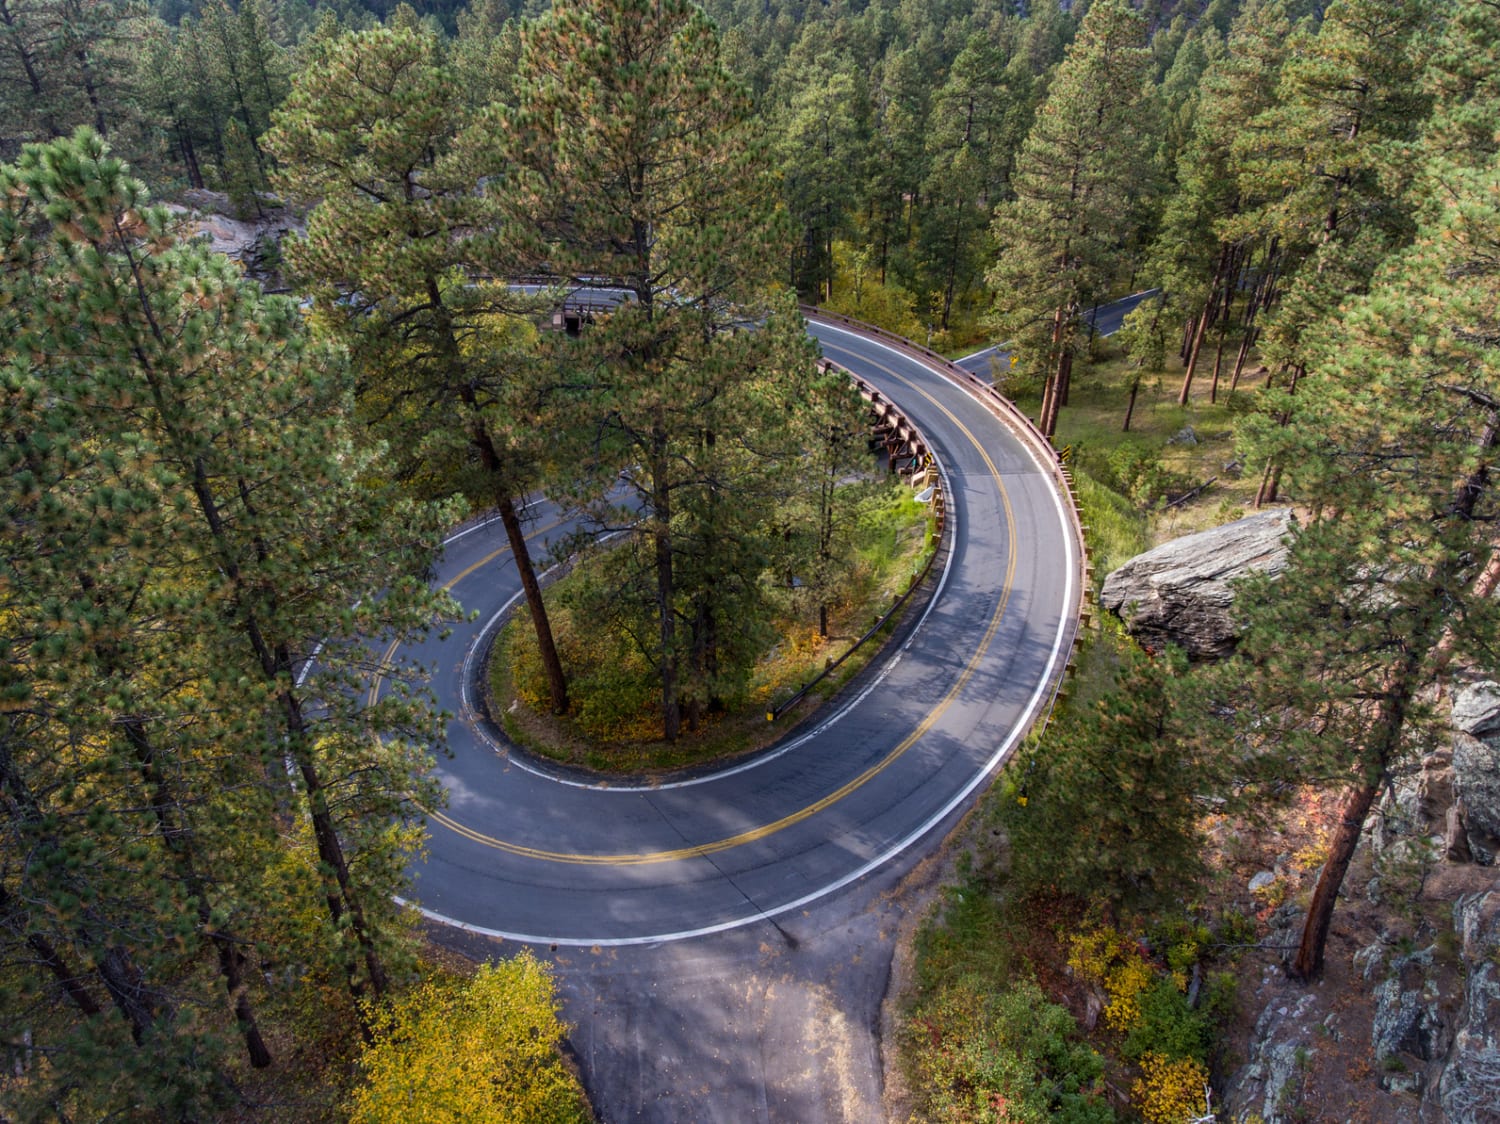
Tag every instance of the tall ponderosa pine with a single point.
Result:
(971, 143)
(823, 157)
(1202, 258)
(1394, 447)
(1076, 183)
(187, 526)
(1330, 161)
(64, 63)
(377, 133)
(642, 167)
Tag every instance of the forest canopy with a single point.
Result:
(224, 478)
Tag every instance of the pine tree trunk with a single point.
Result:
(1239, 363)
(26, 809)
(489, 456)
(176, 837)
(90, 88)
(1269, 483)
(48, 956)
(278, 667)
(28, 67)
(557, 682)
(189, 156)
(1386, 732)
(70, 981)
(122, 979)
(661, 515)
(1053, 390)
(1308, 964)
(1213, 387)
(1199, 329)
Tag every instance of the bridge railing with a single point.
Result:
(1014, 419)
(918, 448)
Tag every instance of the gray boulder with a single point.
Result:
(1409, 1020)
(1469, 1090)
(252, 240)
(1264, 1089)
(1476, 768)
(1418, 804)
(1180, 592)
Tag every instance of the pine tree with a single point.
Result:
(822, 150)
(1327, 159)
(211, 532)
(1076, 180)
(374, 132)
(898, 162)
(1463, 79)
(1393, 447)
(641, 166)
(971, 144)
(1108, 806)
(1203, 252)
(64, 63)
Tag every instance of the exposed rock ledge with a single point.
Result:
(1180, 592)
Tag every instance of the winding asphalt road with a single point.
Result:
(530, 854)
(1106, 319)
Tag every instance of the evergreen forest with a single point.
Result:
(226, 483)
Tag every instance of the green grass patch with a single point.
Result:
(614, 721)
(1128, 480)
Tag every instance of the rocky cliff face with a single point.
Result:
(254, 241)
(1181, 592)
(1476, 769)
(1416, 1000)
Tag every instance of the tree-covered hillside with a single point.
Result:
(220, 487)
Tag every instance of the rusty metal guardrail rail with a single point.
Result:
(1023, 427)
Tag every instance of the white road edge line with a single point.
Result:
(936, 818)
(763, 759)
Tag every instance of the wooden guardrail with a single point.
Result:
(918, 449)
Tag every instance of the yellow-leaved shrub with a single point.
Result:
(1170, 1090)
(1106, 957)
(477, 1051)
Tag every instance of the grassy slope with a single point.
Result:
(891, 545)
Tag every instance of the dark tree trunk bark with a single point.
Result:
(1308, 964)
(1239, 362)
(1199, 329)
(1213, 387)
(666, 592)
(557, 682)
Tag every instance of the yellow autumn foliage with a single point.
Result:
(478, 1051)
(1169, 1090)
(1106, 957)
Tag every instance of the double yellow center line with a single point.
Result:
(645, 858)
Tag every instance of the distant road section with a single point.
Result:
(1107, 319)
